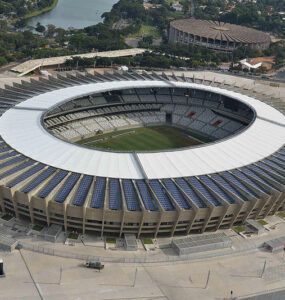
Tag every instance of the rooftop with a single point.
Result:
(220, 31)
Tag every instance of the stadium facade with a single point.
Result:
(47, 178)
(216, 35)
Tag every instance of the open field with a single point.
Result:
(147, 30)
(144, 139)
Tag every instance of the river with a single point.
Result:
(74, 13)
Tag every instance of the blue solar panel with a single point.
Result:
(268, 168)
(254, 175)
(242, 176)
(198, 185)
(43, 176)
(67, 187)
(2, 150)
(115, 196)
(190, 192)
(210, 183)
(26, 175)
(130, 195)
(98, 196)
(229, 187)
(148, 201)
(53, 183)
(262, 172)
(280, 156)
(176, 194)
(161, 195)
(13, 153)
(12, 161)
(237, 182)
(277, 161)
(18, 168)
(276, 165)
(82, 191)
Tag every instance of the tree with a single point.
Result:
(51, 30)
(40, 28)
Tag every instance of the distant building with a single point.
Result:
(216, 35)
(177, 6)
(255, 63)
(224, 66)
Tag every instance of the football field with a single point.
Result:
(145, 139)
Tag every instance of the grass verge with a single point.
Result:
(41, 11)
(7, 217)
(147, 241)
(38, 228)
(262, 222)
(281, 215)
(73, 236)
(146, 30)
(239, 229)
(111, 240)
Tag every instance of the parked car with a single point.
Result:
(94, 264)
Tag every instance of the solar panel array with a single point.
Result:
(190, 192)
(98, 196)
(146, 196)
(197, 184)
(82, 191)
(26, 175)
(115, 196)
(262, 172)
(161, 195)
(280, 162)
(242, 176)
(232, 179)
(13, 153)
(130, 195)
(17, 169)
(12, 161)
(38, 180)
(229, 187)
(210, 183)
(176, 194)
(67, 187)
(53, 183)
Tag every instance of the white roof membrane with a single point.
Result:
(22, 129)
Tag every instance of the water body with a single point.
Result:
(74, 13)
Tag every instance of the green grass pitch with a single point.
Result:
(145, 139)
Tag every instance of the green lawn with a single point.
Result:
(145, 139)
(38, 228)
(281, 214)
(147, 241)
(262, 222)
(238, 228)
(147, 30)
(73, 236)
(7, 217)
(111, 240)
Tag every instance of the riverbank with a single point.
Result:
(41, 11)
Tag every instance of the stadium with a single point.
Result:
(149, 154)
(216, 35)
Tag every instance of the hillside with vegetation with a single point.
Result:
(145, 21)
(24, 8)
